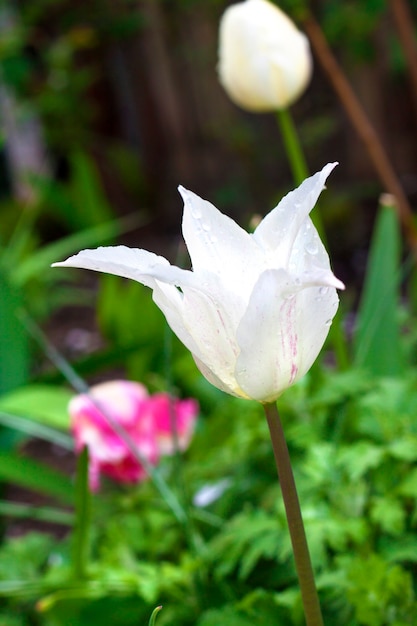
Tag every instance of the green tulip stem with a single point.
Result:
(302, 559)
(292, 146)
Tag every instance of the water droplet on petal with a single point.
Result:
(206, 226)
(323, 290)
(195, 211)
(312, 247)
(289, 295)
(328, 322)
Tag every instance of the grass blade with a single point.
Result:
(377, 341)
(36, 476)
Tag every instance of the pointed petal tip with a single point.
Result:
(65, 263)
(188, 197)
(74, 259)
(327, 169)
(333, 281)
(339, 285)
(183, 192)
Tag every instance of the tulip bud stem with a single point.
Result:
(296, 158)
(302, 559)
(292, 146)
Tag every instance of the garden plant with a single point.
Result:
(230, 435)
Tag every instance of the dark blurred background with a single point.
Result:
(125, 94)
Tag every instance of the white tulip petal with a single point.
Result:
(309, 259)
(140, 265)
(281, 336)
(217, 244)
(278, 230)
(267, 363)
(316, 308)
(231, 388)
(207, 285)
(170, 301)
(213, 331)
(320, 278)
(203, 325)
(308, 250)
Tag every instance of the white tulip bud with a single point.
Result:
(264, 60)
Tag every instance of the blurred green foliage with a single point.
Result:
(25, 277)
(353, 442)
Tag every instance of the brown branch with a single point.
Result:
(362, 125)
(404, 23)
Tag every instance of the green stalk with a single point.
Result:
(292, 146)
(302, 559)
(43, 513)
(154, 614)
(81, 536)
(296, 159)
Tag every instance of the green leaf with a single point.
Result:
(81, 532)
(225, 616)
(14, 342)
(22, 558)
(88, 193)
(58, 250)
(388, 514)
(403, 549)
(36, 476)
(377, 589)
(377, 341)
(46, 404)
(408, 487)
(42, 513)
(358, 458)
(154, 614)
(33, 429)
(82, 203)
(404, 448)
(247, 538)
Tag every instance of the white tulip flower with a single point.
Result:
(255, 309)
(265, 62)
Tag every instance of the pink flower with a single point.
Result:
(154, 423)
